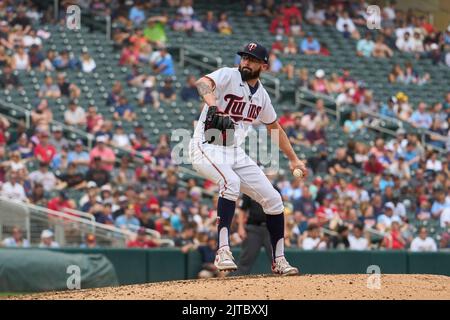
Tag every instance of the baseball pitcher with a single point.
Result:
(234, 100)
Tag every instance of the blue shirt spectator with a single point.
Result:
(421, 118)
(127, 220)
(365, 46)
(190, 92)
(137, 15)
(165, 65)
(310, 45)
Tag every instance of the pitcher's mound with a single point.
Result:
(343, 286)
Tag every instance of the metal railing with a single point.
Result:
(13, 212)
(374, 125)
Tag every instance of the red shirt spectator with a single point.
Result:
(289, 10)
(44, 151)
(373, 165)
(394, 239)
(94, 121)
(61, 203)
(279, 26)
(287, 119)
(129, 55)
(142, 241)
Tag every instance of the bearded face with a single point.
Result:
(248, 74)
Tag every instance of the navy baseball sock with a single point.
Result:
(225, 213)
(275, 224)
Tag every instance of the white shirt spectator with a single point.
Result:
(312, 244)
(187, 11)
(434, 165)
(28, 41)
(445, 218)
(341, 21)
(405, 45)
(47, 179)
(11, 243)
(387, 221)
(121, 140)
(21, 62)
(53, 244)
(389, 13)
(428, 244)
(13, 191)
(360, 243)
(88, 65)
(76, 117)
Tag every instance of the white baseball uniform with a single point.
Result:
(229, 166)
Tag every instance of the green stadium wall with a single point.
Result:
(134, 266)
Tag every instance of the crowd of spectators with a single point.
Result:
(41, 167)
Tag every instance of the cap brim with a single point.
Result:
(250, 54)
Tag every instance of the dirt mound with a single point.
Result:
(348, 286)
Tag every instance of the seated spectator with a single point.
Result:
(129, 55)
(8, 80)
(154, 31)
(47, 240)
(380, 49)
(120, 138)
(421, 118)
(72, 178)
(58, 140)
(210, 22)
(315, 15)
(87, 63)
(97, 173)
(295, 27)
(324, 51)
(36, 56)
(291, 47)
(12, 188)
(279, 25)
(16, 240)
(115, 94)
(303, 82)
(63, 61)
(340, 164)
(104, 216)
(90, 242)
(142, 240)
(340, 241)
(167, 92)
(223, 25)
(20, 60)
(49, 89)
(400, 168)
(278, 45)
(137, 14)
(373, 166)
(445, 218)
(61, 202)
(397, 74)
(162, 63)
(44, 151)
(94, 120)
(43, 176)
(394, 239)
(385, 220)
(103, 153)
(336, 86)
(357, 239)
(417, 42)
(433, 163)
(345, 23)
(207, 253)
(312, 240)
(405, 43)
(423, 243)
(189, 91)
(354, 124)
(319, 83)
(124, 111)
(48, 63)
(439, 204)
(75, 115)
(67, 88)
(365, 47)
(310, 46)
(127, 221)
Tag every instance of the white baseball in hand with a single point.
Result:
(298, 173)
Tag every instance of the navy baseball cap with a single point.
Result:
(255, 50)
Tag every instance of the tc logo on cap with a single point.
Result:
(252, 46)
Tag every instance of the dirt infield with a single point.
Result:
(272, 287)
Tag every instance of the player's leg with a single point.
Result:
(210, 162)
(255, 184)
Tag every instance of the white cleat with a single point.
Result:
(224, 260)
(282, 267)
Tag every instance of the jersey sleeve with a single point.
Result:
(221, 78)
(267, 114)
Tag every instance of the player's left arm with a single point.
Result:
(276, 131)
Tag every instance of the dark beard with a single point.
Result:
(248, 75)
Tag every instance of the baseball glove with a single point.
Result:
(219, 128)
